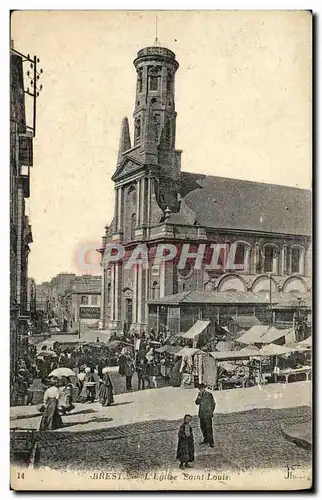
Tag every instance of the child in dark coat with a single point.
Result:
(186, 447)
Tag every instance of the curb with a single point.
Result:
(299, 441)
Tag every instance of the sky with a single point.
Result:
(243, 98)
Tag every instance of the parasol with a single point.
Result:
(62, 372)
(47, 353)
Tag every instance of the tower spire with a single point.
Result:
(156, 41)
(125, 140)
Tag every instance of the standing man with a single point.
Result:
(207, 406)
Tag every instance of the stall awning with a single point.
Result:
(188, 351)
(274, 334)
(274, 350)
(244, 354)
(261, 334)
(307, 342)
(196, 329)
(253, 334)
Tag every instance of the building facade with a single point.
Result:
(155, 202)
(83, 302)
(21, 159)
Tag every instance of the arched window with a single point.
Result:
(140, 80)
(268, 259)
(154, 290)
(169, 81)
(133, 225)
(240, 256)
(154, 73)
(270, 255)
(295, 260)
(137, 130)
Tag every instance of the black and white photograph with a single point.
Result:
(161, 250)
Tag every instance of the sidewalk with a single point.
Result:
(168, 403)
(299, 434)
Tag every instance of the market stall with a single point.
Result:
(195, 331)
(263, 334)
(282, 355)
(233, 368)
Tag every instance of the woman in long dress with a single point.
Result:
(186, 447)
(88, 390)
(51, 418)
(106, 389)
(175, 375)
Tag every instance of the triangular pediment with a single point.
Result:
(128, 166)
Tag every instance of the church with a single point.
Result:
(156, 202)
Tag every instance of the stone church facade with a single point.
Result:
(155, 202)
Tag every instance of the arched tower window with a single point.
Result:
(133, 225)
(137, 131)
(155, 290)
(169, 81)
(154, 78)
(108, 297)
(140, 80)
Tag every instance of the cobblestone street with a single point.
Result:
(242, 440)
(139, 432)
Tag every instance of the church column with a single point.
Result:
(162, 278)
(103, 307)
(142, 197)
(135, 293)
(284, 260)
(116, 291)
(113, 291)
(256, 259)
(149, 200)
(248, 253)
(116, 208)
(138, 199)
(289, 260)
(119, 207)
(139, 293)
(302, 262)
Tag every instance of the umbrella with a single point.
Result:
(97, 345)
(47, 353)
(62, 372)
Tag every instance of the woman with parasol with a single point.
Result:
(51, 418)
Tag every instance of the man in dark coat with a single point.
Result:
(207, 405)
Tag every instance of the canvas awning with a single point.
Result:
(307, 342)
(232, 354)
(261, 334)
(196, 329)
(253, 334)
(188, 351)
(274, 350)
(274, 334)
(174, 349)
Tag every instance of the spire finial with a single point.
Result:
(156, 41)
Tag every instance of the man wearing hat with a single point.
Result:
(207, 405)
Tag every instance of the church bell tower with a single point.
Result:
(154, 111)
